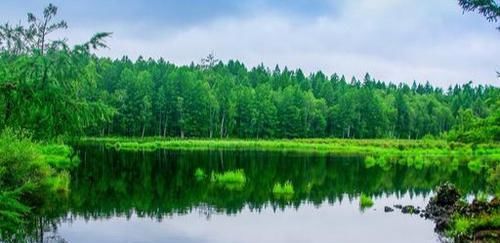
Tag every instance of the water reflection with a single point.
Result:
(118, 191)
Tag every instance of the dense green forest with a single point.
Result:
(51, 92)
(52, 89)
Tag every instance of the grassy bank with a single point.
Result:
(486, 225)
(484, 159)
(374, 147)
(30, 173)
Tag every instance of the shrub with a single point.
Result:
(370, 161)
(365, 201)
(199, 174)
(475, 165)
(28, 170)
(463, 226)
(283, 190)
(232, 180)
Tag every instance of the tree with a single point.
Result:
(488, 8)
(46, 81)
(403, 121)
(69, 91)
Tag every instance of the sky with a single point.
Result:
(393, 40)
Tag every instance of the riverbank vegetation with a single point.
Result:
(359, 146)
(231, 180)
(283, 191)
(44, 82)
(163, 182)
(365, 201)
(467, 227)
(63, 93)
(29, 173)
(461, 220)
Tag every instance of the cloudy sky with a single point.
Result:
(393, 40)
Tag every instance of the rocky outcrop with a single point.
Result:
(442, 206)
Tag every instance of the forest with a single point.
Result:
(53, 93)
(54, 90)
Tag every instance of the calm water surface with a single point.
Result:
(155, 197)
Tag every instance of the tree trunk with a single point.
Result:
(222, 126)
(165, 126)
(159, 125)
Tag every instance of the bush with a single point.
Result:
(283, 191)
(463, 226)
(232, 180)
(476, 165)
(28, 170)
(199, 174)
(365, 201)
(370, 161)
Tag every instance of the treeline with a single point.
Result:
(156, 98)
(52, 90)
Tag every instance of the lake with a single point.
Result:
(119, 196)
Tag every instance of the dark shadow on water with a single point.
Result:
(108, 184)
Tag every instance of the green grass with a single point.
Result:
(59, 183)
(29, 170)
(284, 190)
(385, 153)
(374, 147)
(232, 180)
(465, 226)
(365, 201)
(476, 165)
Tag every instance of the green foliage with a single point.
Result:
(20, 164)
(476, 165)
(44, 84)
(482, 196)
(158, 184)
(12, 214)
(488, 8)
(199, 174)
(370, 161)
(59, 183)
(463, 226)
(365, 201)
(494, 179)
(29, 174)
(283, 191)
(232, 180)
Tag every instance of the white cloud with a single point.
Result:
(397, 41)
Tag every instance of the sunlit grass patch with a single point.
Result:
(232, 180)
(365, 201)
(463, 226)
(284, 191)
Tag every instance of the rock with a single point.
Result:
(408, 209)
(478, 207)
(443, 203)
(446, 195)
(446, 203)
(495, 203)
(398, 206)
(388, 209)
